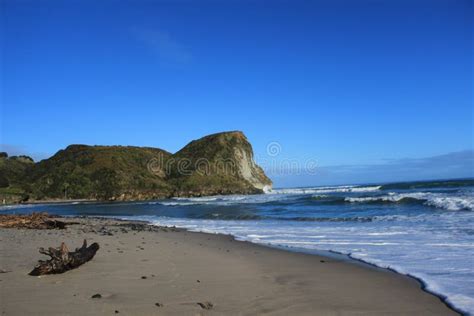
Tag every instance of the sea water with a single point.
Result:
(425, 230)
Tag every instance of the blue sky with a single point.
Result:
(343, 83)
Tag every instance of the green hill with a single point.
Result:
(216, 164)
(13, 180)
(98, 172)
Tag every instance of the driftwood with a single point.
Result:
(31, 221)
(62, 260)
(206, 305)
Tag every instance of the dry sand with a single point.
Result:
(135, 269)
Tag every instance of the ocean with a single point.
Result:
(421, 229)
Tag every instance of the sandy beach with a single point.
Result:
(148, 270)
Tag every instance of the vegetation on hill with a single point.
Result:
(13, 177)
(216, 164)
(96, 172)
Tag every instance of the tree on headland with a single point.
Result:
(65, 188)
(4, 181)
(106, 183)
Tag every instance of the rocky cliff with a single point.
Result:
(221, 163)
(216, 164)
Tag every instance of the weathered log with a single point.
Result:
(62, 260)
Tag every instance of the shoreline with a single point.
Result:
(345, 258)
(329, 254)
(366, 264)
(272, 279)
(422, 283)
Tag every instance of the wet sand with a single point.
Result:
(147, 270)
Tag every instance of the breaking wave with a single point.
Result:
(333, 196)
(450, 203)
(331, 189)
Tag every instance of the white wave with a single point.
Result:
(439, 200)
(452, 203)
(269, 196)
(175, 203)
(332, 189)
(221, 200)
(386, 233)
(198, 199)
(366, 189)
(267, 189)
(188, 201)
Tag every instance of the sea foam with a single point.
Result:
(439, 200)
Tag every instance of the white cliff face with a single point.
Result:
(249, 170)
